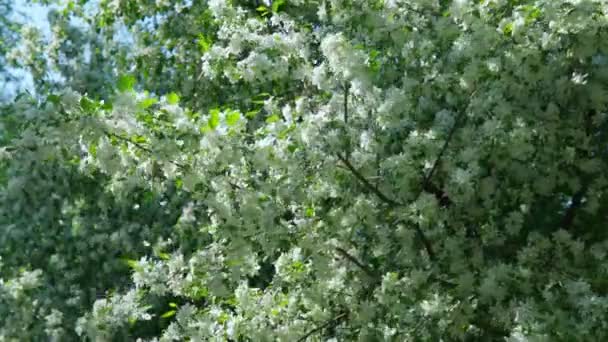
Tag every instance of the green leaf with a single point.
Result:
(147, 103)
(297, 267)
(276, 4)
(114, 141)
(148, 197)
(222, 318)
(173, 305)
(146, 117)
(214, 120)
(252, 113)
(133, 264)
(125, 83)
(310, 212)
(93, 149)
(54, 99)
(172, 98)
(139, 139)
(273, 118)
(192, 115)
(198, 293)
(168, 314)
(232, 118)
(87, 105)
(508, 29)
(107, 106)
(264, 11)
(205, 128)
(284, 133)
(204, 43)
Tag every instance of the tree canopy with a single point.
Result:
(307, 170)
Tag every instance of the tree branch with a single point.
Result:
(348, 147)
(428, 176)
(346, 88)
(141, 147)
(443, 198)
(366, 183)
(322, 326)
(425, 241)
(129, 141)
(425, 186)
(354, 260)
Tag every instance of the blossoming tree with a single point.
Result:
(398, 170)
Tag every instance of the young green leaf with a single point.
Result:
(276, 4)
(172, 98)
(148, 102)
(232, 118)
(273, 118)
(125, 83)
(214, 119)
(168, 314)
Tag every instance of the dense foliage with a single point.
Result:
(398, 170)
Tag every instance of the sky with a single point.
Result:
(34, 15)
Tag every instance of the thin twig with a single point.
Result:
(443, 198)
(347, 152)
(346, 88)
(354, 260)
(425, 241)
(134, 143)
(429, 175)
(141, 147)
(366, 183)
(322, 326)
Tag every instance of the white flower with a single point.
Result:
(188, 213)
(578, 78)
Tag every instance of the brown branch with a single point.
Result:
(322, 326)
(425, 241)
(346, 88)
(428, 176)
(354, 260)
(366, 183)
(441, 196)
(348, 147)
(426, 185)
(141, 147)
(134, 143)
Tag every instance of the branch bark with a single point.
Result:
(354, 260)
(141, 147)
(322, 326)
(366, 183)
